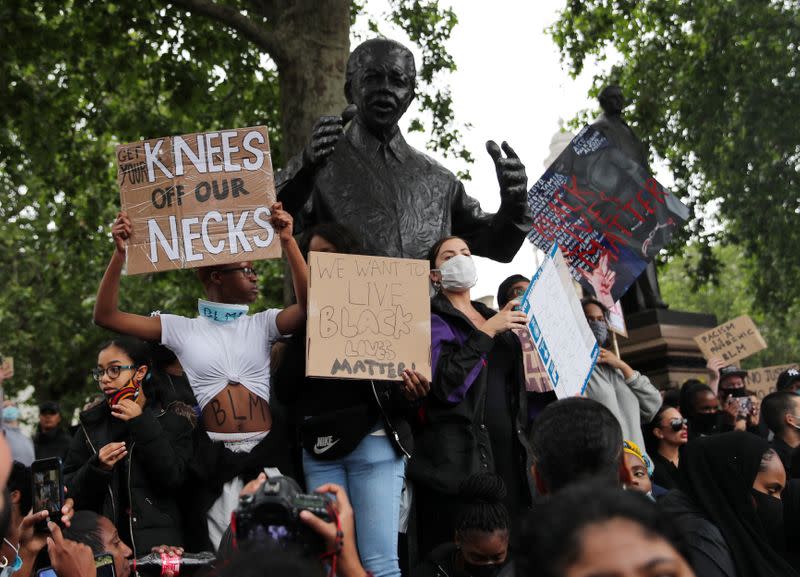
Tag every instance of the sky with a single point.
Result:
(510, 85)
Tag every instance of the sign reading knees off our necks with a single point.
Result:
(198, 199)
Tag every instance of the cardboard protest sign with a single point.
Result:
(566, 345)
(368, 317)
(731, 341)
(764, 380)
(198, 199)
(616, 320)
(607, 213)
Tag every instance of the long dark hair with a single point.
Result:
(651, 442)
(338, 235)
(434, 250)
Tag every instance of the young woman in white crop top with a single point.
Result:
(224, 352)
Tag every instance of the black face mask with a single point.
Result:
(483, 570)
(704, 423)
(5, 514)
(770, 513)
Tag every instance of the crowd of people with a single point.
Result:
(479, 471)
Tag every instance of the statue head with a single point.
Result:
(380, 81)
(612, 100)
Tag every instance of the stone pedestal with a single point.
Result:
(660, 344)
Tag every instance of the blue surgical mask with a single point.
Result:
(11, 568)
(220, 312)
(600, 331)
(10, 414)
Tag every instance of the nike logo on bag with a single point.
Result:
(323, 444)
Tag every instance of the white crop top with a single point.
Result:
(215, 354)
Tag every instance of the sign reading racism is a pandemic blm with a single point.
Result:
(198, 199)
(368, 317)
(607, 213)
(731, 341)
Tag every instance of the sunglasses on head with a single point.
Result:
(677, 424)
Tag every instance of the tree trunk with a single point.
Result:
(312, 67)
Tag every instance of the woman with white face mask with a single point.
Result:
(474, 419)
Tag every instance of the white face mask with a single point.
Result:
(459, 273)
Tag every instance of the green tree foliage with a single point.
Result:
(78, 78)
(715, 90)
(729, 298)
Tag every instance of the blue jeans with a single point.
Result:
(373, 477)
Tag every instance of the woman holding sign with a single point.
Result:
(225, 353)
(354, 433)
(475, 418)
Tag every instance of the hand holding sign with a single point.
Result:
(282, 222)
(415, 385)
(121, 231)
(510, 172)
(506, 320)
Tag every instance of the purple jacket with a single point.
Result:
(453, 441)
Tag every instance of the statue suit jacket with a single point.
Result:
(397, 201)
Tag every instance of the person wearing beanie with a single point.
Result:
(789, 380)
(51, 439)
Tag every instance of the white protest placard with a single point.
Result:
(558, 326)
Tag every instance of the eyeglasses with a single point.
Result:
(246, 270)
(113, 371)
(678, 424)
(517, 292)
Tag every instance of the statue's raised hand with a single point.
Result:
(326, 133)
(510, 172)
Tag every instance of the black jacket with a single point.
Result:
(139, 494)
(53, 443)
(709, 554)
(441, 563)
(315, 396)
(452, 441)
(789, 457)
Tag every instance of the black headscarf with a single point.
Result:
(718, 474)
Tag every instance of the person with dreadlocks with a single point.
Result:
(480, 543)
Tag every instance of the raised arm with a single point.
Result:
(106, 307)
(497, 236)
(291, 319)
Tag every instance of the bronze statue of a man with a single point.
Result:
(395, 199)
(644, 293)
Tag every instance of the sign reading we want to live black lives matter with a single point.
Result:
(198, 199)
(368, 317)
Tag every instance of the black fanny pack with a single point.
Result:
(335, 435)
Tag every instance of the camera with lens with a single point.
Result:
(273, 514)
